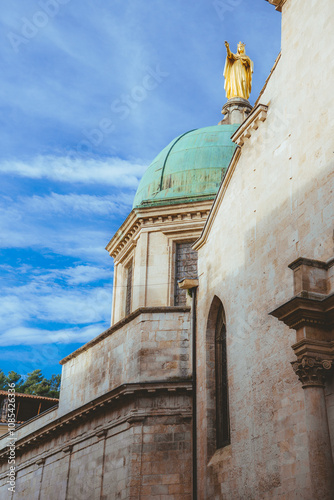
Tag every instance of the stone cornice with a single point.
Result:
(258, 115)
(268, 79)
(302, 311)
(156, 217)
(312, 263)
(311, 313)
(120, 324)
(312, 347)
(218, 201)
(78, 416)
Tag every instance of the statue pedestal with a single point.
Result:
(236, 111)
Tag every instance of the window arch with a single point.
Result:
(221, 378)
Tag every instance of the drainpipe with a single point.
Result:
(191, 285)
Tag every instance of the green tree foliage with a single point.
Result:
(33, 383)
(54, 386)
(15, 378)
(2, 380)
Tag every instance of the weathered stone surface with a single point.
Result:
(111, 455)
(275, 207)
(153, 346)
(149, 238)
(123, 427)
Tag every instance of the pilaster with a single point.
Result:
(311, 314)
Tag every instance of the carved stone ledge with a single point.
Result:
(178, 216)
(258, 115)
(316, 348)
(312, 371)
(67, 449)
(311, 314)
(300, 312)
(101, 434)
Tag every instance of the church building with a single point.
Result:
(215, 379)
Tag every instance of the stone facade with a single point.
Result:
(123, 428)
(113, 452)
(276, 205)
(137, 416)
(148, 239)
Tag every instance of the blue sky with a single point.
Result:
(91, 92)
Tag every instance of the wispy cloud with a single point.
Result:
(81, 204)
(68, 179)
(111, 171)
(74, 275)
(56, 297)
(73, 224)
(35, 336)
(85, 274)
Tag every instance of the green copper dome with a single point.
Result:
(189, 169)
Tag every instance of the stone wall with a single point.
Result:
(148, 238)
(151, 344)
(134, 446)
(123, 426)
(277, 206)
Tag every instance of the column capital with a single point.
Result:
(312, 371)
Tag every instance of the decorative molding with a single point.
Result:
(252, 122)
(268, 79)
(302, 261)
(312, 371)
(154, 218)
(78, 416)
(218, 200)
(101, 433)
(313, 347)
(68, 449)
(311, 314)
(300, 311)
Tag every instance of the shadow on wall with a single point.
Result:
(263, 388)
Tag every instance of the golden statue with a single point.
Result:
(238, 73)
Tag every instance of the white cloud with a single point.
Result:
(111, 171)
(75, 275)
(71, 225)
(80, 204)
(69, 241)
(85, 274)
(22, 335)
(51, 296)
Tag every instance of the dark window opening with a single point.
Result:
(128, 291)
(185, 267)
(222, 407)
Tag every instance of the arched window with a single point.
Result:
(222, 407)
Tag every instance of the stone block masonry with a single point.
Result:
(123, 431)
(135, 445)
